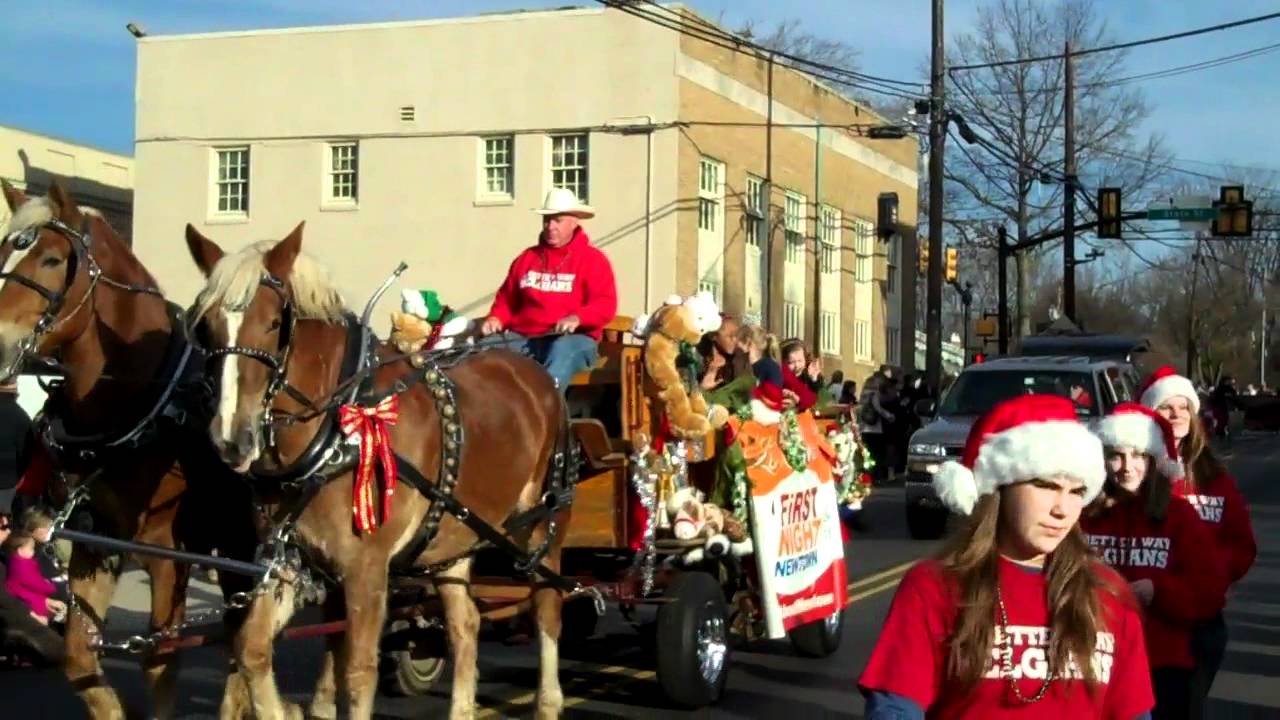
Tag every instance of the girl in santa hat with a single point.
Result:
(1213, 492)
(1016, 618)
(1156, 541)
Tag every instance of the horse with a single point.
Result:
(290, 393)
(73, 289)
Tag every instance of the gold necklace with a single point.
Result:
(1006, 658)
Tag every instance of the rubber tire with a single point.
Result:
(693, 596)
(818, 639)
(578, 620)
(925, 523)
(404, 675)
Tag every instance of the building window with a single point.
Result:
(829, 239)
(863, 248)
(791, 319)
(569, 164)
(233, 180)
(710, 193)
(793, 222)
(754, 211)
(499, 166)
(862, 338)
(830, 341)
(894, 341)
(344, 171)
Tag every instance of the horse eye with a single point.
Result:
(52, 261)
(275, 324)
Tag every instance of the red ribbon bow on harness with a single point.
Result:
(371, 424)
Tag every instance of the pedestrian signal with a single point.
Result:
(1109, 213)
(1235, 214)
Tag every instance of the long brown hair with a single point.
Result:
(1075, 607)
(1201, 462)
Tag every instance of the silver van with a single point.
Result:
(1095, 385)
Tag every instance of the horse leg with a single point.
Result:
(254, 645)
(462, 621)
(365, 590)
(547, 604)
(92, 584)
(168, 607)
(330, 685)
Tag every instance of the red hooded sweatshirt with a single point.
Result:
(1222, 509)
(1189, 586)
(546, 284)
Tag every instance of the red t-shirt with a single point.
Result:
(910, 659)
(1188, 584)
(545, 285)
(1222, 509)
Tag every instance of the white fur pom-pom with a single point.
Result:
(956, 487)
(640, 326)
(411, 302)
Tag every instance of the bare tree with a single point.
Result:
(1014, 174)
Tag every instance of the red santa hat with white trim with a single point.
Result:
(1165, 383)
(1023, 438)
(1140, 428)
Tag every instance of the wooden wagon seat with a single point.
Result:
(607, 369)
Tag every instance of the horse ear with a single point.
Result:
(279, 260)
(67, 210)
(12, 195)
(204, 251)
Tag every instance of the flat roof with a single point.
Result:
(68, 141)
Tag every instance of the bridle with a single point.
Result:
(81, 246)
(277, 362)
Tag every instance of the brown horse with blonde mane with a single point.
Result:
(73, 290)
(285, 342)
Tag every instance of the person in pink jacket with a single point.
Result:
(26, 582)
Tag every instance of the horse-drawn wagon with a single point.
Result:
(573, 504)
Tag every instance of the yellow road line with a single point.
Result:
(859, 590)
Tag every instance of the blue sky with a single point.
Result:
(67, 66)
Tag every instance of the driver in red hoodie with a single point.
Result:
(558, 295)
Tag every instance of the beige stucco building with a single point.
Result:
(94, 177)
(432, 141)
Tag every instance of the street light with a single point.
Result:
(135, 30)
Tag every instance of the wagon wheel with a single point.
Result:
(693, 641)
(413, 666)
(820, 638)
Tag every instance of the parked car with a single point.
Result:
(1096, 385)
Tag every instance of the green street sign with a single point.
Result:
(1188, 214)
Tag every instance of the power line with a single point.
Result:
(1120, 46)
(718, 38)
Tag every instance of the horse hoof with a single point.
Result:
(293, 712)
(549, 709)
(324, 710)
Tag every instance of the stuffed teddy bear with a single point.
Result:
(420, 312)
(680, 320)
(692, 519)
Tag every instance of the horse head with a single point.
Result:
(249, 308)
(51, 264)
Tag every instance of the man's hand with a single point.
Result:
(491, 325)
(569, 324)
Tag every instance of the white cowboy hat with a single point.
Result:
(562, 201)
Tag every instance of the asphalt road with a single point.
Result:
(611, 676)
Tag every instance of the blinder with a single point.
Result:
(55, 300)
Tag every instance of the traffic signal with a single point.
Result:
(922, 260)
(953, 264)
(1235, 214)
(977, 358)
(1109, 213)
(887, 215)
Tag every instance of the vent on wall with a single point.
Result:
(406, 113)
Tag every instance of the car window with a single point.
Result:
(1120, 384)
(974, 393)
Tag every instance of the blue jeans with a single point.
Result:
(562, 355)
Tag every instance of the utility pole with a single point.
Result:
(817, 240)
(1002, 288)
(1191, 311)
(1262, 351)
(766, 300)
(1069, 192)
(937, 141)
